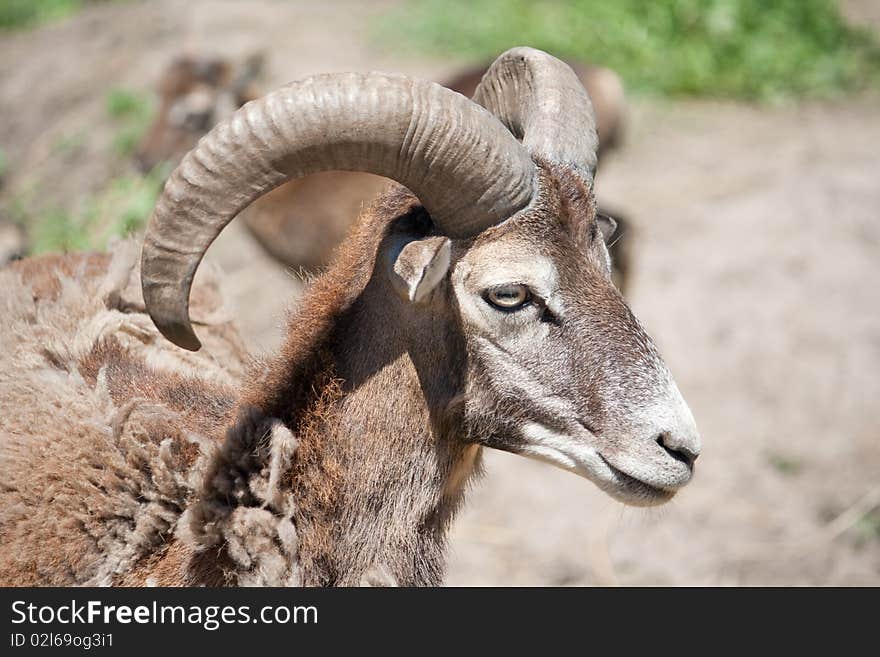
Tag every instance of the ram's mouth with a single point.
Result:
(633, 491)
(574, 453)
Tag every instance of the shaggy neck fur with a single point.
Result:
(378, 469)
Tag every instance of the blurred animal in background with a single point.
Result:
(470, 307)
(302, 222)
(195, 93)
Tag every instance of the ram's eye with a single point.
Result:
(508, 297)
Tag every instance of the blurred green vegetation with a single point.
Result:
(784, 464)
(746, 49)
(121, 208)
(20, 14)
(867, 528)
(123, 103)
(131, 111)
(70, 143)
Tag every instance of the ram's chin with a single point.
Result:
(631, 491)
(575, 456)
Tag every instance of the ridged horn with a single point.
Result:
(464, 166)
(542, 101)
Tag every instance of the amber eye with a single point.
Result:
(508, 297)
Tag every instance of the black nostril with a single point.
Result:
(678, 453)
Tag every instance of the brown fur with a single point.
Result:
(44, 275)
(339, 461)
(315, 385)
(177, 564)
(209, 532)
(95, 467)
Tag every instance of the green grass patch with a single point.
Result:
(746, 49)
(23, 14)
(70, 143)
(127, 139)
(867, 528)
(123, 103)
(120, 209)
(56, 230)
(131, 112)
(784, 464)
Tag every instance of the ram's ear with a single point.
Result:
(607, 226)
(417, 266)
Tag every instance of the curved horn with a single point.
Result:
(458, 159)
(542, 101)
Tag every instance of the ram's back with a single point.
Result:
(103, 424)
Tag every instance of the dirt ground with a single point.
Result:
(757, 244)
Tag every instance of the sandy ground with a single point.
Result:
(756, 239)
